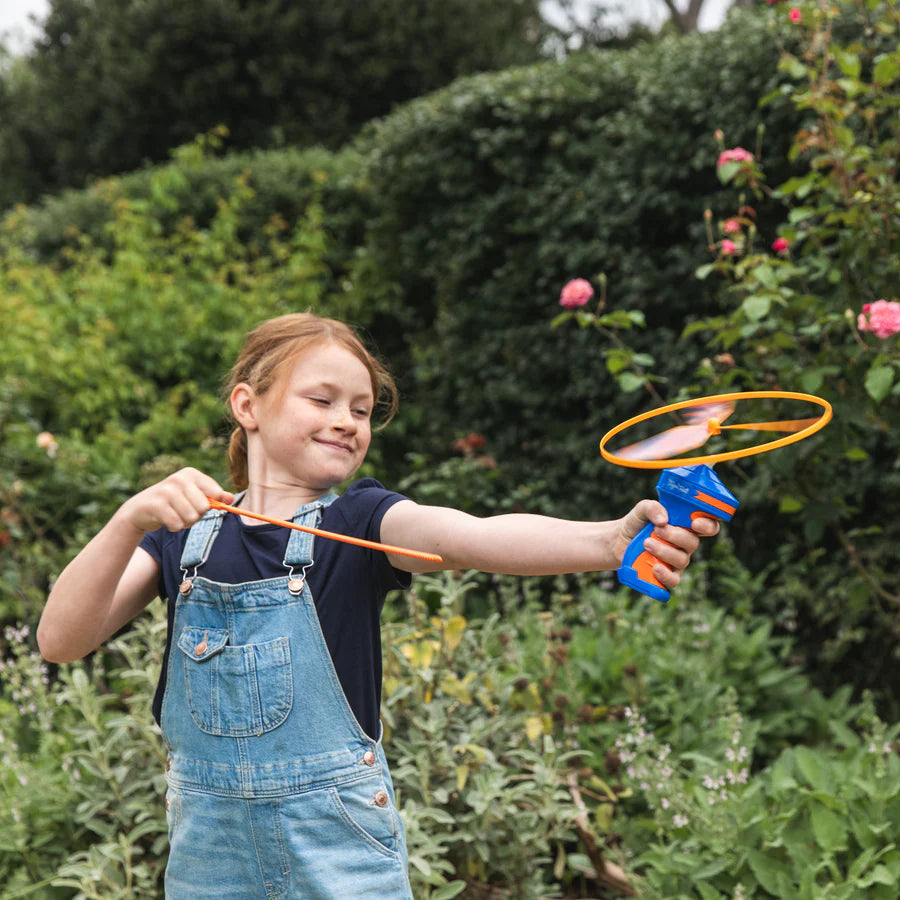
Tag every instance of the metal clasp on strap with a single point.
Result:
(296, 583)
(187, 582)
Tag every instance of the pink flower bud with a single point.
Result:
(728, 247)
(576, 293)
(882, 318)
(795, 15)
(732, 226)
(779, 245)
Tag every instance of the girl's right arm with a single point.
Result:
(112, 579)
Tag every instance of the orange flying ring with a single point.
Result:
(711, 459)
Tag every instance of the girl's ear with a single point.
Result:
(243, 399)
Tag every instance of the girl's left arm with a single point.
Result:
(521, 544)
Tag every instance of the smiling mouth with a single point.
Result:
(336, 445)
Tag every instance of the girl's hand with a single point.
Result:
(672, 546)
(176, 502)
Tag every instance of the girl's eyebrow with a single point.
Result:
(334, 387)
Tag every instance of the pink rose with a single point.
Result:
(728, 247)
(882, 318)
(795, 15)
(779, 245)
(737, 154)
(732, 226)
(576, 293)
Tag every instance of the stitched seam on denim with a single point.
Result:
(262, 874)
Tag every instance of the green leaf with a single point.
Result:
(765, 275)
(767, 870)
(617, 359)
(800, 214)
(879, 875)
(810, 765)
(878, 382)
(712, 868)
(790, 505)
(829, 828)
(629, 382)
(812, 380)
(421, 864)
(849, 62)
(887, 68)
(728, 170)
(793, 66)
(756, 307)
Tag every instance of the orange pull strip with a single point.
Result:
(718, 504)
(331, 535)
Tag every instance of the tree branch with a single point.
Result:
(604, 871)
(686, 22)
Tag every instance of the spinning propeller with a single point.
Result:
(703, 418)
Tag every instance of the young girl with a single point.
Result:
(269, 694)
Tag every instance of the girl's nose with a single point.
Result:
(343, 418)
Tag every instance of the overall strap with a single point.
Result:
(300, 544)
(201, 536)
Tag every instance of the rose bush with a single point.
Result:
(811, 313)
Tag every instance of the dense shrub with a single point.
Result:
(794, 304)
(114, 368)
(497, 190)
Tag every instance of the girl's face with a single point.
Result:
(313, 428)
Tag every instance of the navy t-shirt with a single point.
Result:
(348, 584)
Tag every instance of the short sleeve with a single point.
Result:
(359, 512)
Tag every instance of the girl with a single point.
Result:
(269, 694)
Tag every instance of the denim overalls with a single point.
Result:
(274, 790)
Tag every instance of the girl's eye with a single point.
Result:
(322, 401)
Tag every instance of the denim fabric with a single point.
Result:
(274, 789)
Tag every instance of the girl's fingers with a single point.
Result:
(181, 499)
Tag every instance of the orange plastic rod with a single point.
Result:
(786, 425)
(331, 535)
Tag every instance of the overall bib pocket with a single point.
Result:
(235, 691)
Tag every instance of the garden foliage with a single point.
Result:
(521, 752)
